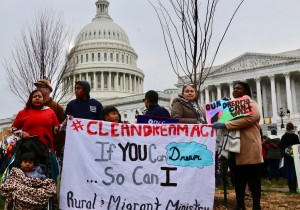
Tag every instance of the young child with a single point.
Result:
(111, 114)
(28, 166)
(23, 192)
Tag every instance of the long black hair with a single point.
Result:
(29, 101)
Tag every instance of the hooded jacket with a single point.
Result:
(274, 147)
(86, 109)
(86, 87)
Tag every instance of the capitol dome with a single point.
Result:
(102, 27)
(103, 56)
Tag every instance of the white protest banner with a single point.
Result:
(296, 155)
(137, 166)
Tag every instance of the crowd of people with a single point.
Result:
(45, 119)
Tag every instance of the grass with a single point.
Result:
(265, 185)
(1, 203)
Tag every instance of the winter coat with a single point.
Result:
(26, 193)
(59, 139)
(185, 112)
(288, 139)
(36, 172)
(273, 142)
(157, 111)
(250, 139)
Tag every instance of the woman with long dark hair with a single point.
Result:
(36, 120)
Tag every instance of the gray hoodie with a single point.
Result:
(272, 144)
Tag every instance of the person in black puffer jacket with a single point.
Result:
(287, 140)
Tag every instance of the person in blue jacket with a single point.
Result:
(84, 106)
(151, 103)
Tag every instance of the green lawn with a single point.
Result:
(1, 203)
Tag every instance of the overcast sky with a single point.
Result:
(263, 26)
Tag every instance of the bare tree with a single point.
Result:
(187, 27)
(41, 53)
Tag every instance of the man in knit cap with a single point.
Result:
(84, 106)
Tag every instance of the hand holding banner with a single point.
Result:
(226, 110)
(137, 166)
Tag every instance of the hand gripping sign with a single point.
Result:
(226, 110)
(115, 166)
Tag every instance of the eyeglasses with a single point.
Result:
(144, 99)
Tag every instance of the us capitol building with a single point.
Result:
(104, 57)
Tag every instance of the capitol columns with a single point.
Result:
(117, 87)
(288, 91)
(102, 80)
(206, 95)
(219, 97)
(230, 88)
(95, 81)
(273, 95)
(130, 83)
(201, 93)
(123, 83)
(259, 100)
(293, 89)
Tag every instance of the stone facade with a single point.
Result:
(273, 78)
(104, 57)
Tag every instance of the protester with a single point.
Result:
(287, 140)
(111, 114)
(84, 106)
(151, 103)
(264, 170)
(29, 167)
(186, 108)
(36, 120)
(274, 156)
(246, 165)
(45, 87)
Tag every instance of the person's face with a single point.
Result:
(112, 117)
(189, 93)
(79, 92)
(147, 103)
(27, 165)
(43, 89)
(37, 99)
(238, 91)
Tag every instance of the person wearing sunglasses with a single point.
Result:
(186, 108)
